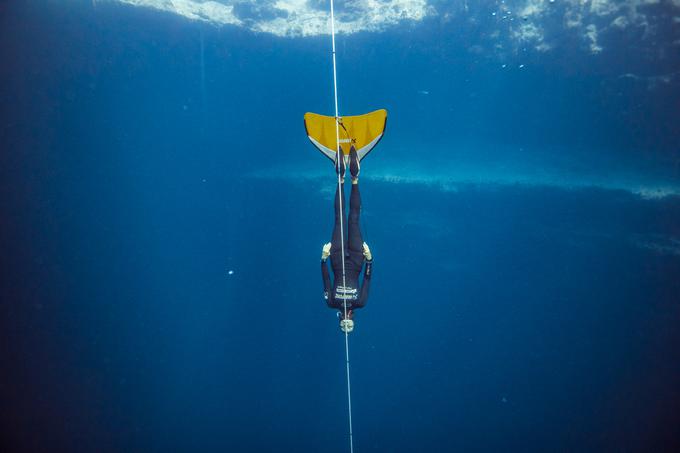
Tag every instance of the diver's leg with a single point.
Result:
(354, 230)
(337, 230)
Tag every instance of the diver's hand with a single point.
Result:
(325, 251)
(367, 253)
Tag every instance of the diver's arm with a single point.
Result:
(327, 294)
(363, 297)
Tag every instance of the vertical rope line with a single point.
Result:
(339, 156)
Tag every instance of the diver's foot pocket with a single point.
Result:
(340, 164)
(354, 165)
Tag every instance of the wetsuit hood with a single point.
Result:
(346, 325)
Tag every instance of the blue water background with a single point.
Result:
(502, 317)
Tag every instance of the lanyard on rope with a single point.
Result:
(339, 156)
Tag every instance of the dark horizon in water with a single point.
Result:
(163, 214)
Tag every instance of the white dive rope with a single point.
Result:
(339, 156)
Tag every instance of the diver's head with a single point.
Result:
(346, 325)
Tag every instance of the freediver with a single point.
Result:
(351, 295)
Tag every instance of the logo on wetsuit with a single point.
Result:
(346, 293)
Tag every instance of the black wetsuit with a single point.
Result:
(354, 294)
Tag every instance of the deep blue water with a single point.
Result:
(525, 226)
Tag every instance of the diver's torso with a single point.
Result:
(349, 289)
